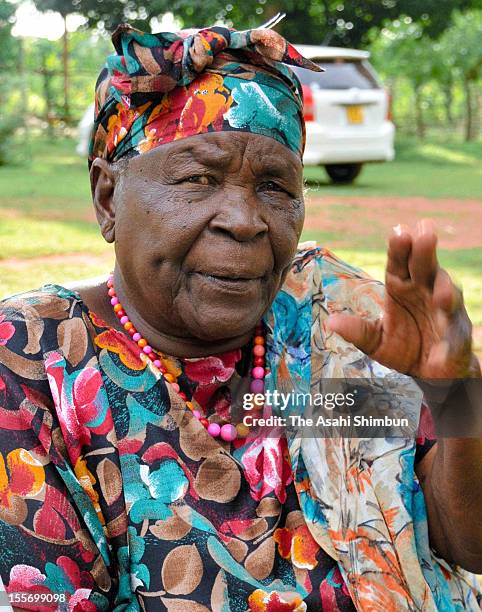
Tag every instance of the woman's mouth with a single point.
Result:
(230, 283)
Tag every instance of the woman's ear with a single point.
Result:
(102, 184)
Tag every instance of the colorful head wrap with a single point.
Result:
(167, 86)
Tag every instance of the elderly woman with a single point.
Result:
(126, 482)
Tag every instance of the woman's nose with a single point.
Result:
(240, 217)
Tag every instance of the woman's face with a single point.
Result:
(205, 229)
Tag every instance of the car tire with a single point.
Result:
(343, 173)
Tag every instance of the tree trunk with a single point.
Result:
(46, 77)
(23, 82)
(65, 62)
(449, 101)
(419, 119)
(471, 111)
(476, 121)
(23, 86)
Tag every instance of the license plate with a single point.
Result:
(354, 114)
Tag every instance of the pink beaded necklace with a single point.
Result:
(227, 432)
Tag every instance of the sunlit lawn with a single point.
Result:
(435, 169)
(48, 232)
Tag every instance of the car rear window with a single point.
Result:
(340, 74)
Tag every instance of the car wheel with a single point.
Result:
(343, 173)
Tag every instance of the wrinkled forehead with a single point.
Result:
(221, 152)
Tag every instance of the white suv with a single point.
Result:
(347, 112)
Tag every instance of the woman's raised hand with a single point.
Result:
(424, 329)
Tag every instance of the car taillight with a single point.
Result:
(389, 116)
(308, 103)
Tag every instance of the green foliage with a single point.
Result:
(7, 45)
(8, 58)
(9, 120)
(43, 61)
(441, 73)
(428, 76)
(405, 51)
(460, 45)
(335, 22)
(64, 7)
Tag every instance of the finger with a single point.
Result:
(364, 334)
(446, 295)
(399, 247)
(423, 264)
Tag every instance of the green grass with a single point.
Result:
(435, 169)
(21, 279)
(46, 212)
(54, 181)
(24, 237)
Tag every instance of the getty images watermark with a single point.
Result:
(332, 402)
(374, 408)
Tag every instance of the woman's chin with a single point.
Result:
(230, 324)
(214, 314)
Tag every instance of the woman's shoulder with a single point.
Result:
(36, 322)
(48, 301)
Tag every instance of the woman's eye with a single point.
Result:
(198, 179)
(272, 186)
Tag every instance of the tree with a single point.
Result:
(452, 61)
(7, 16)
(8, 58)
(45, 55)
(406, 51)
(65, 8)
(43, 61)
(461, 43)
(335, 22)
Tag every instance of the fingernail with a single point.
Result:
(397, 229)
(425, 226)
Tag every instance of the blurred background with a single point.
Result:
(412, 97)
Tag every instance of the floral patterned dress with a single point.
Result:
(113, 494)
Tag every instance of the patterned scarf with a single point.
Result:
(167, 86)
